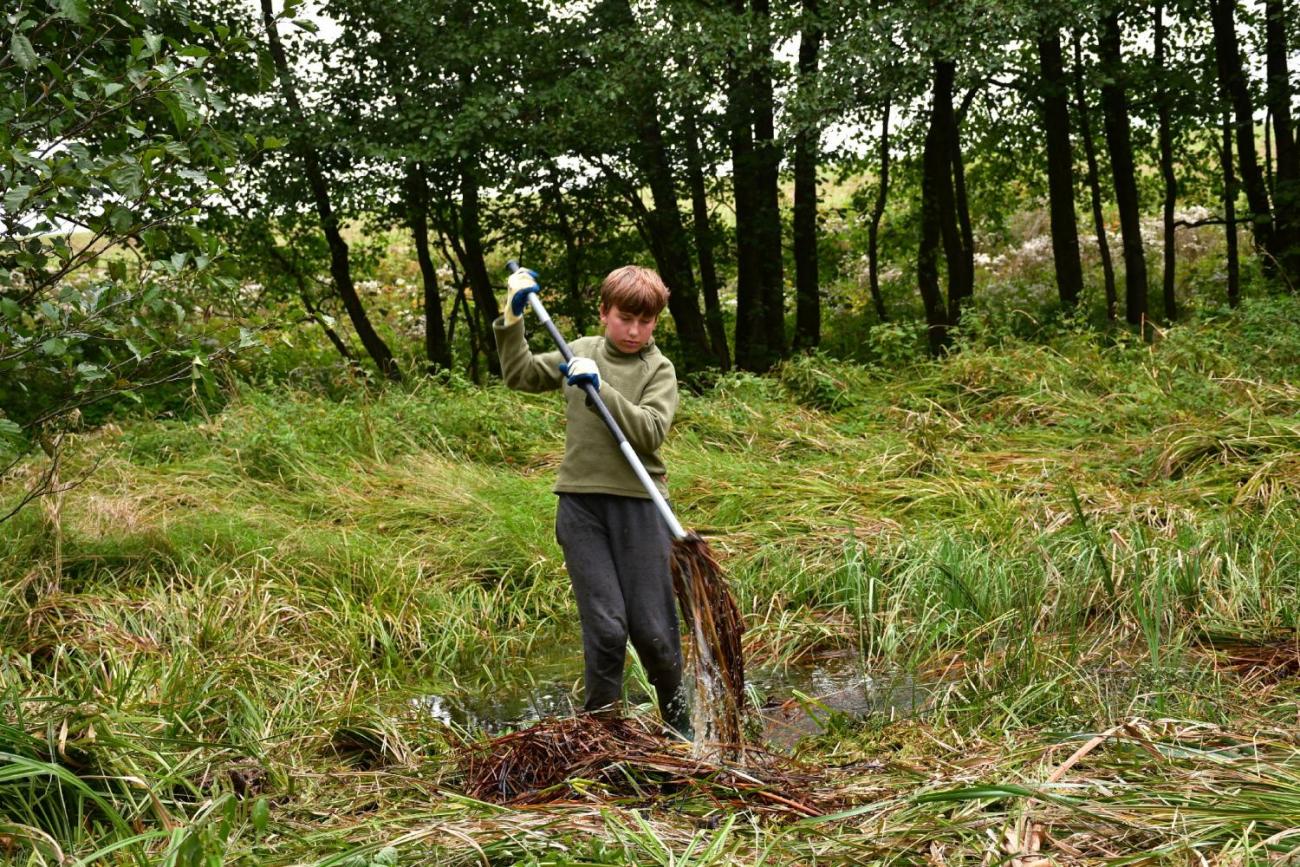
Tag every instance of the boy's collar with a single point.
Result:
(614, 350)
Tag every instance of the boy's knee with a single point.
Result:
(660, 654)
(608, 636)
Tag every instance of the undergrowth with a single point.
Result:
(217, 646)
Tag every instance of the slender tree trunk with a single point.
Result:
(668, 240)
(472, 259)
(768, 199)
(943, 129)
(672, 252)
(1114, 103)
(1286, 187)
(936, 208)
(751, 339)
(704, 243)
(1234, 89)
(1060, 169)
(961, 271)
(1268, 150)
(340, 268)
(1094, 182)
(436, 348)
(808, 309)
(877, 212)
(1166, 168)
(576, 305)
(1230, 212)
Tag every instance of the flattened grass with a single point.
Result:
(1054, 537)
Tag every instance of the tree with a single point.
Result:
(755, 176)
(806, 139)
(108, 154)
(340, 267)
(1054, 101)
(1114, 102)
(1093, 180)
(1286, 186)
(1165, 136)
(1235, 91)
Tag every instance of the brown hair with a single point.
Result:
(634, 290)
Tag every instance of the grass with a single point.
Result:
(1059, 539)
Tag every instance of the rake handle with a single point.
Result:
(593, 396)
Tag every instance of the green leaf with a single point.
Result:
(304, 24)
(55, 347)
(75, 10)
(91, 372)
(193, 51)
(261, 816)
(112, 87)
(120, 219)
(14, 198)
(23, 53)
(179, 118)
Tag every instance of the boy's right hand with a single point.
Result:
(521, 284)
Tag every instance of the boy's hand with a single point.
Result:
(521, 284)
(581, 371)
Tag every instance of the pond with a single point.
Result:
(791, 702)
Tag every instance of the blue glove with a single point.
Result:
(581, 371)
(521, 284)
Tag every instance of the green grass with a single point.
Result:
(1052, 536)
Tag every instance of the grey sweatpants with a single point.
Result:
(617, 552)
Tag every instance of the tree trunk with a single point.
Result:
(340, 267)
(1094, 183)
(750, 340)
(936, 208)
(808, 309)
(471, 252)
(1166, 168)
(1230, 212)
(877, 212)
(1060, 169)
(704, 243)
(1234, 90)
(576, 305)
(768, 176)
(436, 348)
(961, 271)
(1114, 104)
(1286, 187)
(668, 242)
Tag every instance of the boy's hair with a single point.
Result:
(634, 290)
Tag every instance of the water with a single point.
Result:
(793, 702)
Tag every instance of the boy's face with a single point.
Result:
(628, 331)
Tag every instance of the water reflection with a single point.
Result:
(792, 702)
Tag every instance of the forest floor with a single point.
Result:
(1030, 604)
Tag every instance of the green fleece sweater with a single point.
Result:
(640, 390)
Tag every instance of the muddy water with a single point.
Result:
(793, 702)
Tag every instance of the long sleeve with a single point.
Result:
(645, 422)
(520, 367)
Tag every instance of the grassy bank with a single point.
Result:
(212, 646)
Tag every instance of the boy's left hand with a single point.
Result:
(521, 284)
(580, 371)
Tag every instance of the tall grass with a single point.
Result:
(1053, 537)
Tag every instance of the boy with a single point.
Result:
(616, 546)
